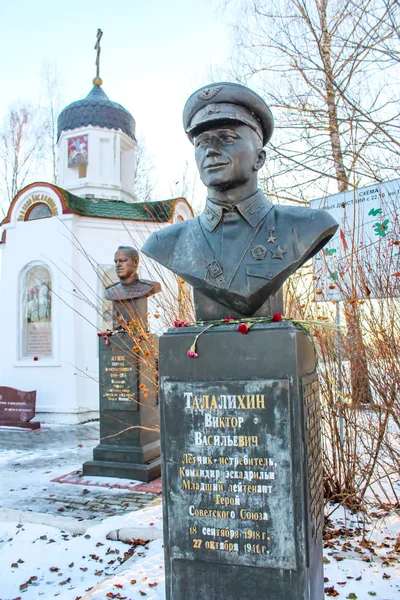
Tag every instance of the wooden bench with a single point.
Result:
(17, 408)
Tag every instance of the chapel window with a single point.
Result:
(37, 328)
(38, 211)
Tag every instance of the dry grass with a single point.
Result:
(360, 432)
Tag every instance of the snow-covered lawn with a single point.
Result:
(38, 561)
(361, 561)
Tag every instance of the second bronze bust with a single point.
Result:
(130, 286)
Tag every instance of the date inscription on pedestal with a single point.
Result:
(229, 477)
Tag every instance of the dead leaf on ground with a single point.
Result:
(25, 585)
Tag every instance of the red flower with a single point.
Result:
(243, 328)
(228, 319)
(192, 354)
(99, 334)
(35, 358)
(178, 323)
(276, 318)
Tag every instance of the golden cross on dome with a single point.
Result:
(98, 48)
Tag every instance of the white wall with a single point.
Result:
(46, 241)
(71, 247)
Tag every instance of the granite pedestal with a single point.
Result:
(129, 423)
(242, 469)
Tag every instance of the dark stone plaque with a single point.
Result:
(230, 472)
(119, 376)
(17, 408)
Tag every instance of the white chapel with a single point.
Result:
(57, 250)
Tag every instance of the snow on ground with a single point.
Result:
(361, 560)
(40, 562)
(28, 472)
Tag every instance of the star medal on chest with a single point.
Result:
(278, 252)
(271, 239)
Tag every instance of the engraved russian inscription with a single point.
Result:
(230, 468)
(119, 376)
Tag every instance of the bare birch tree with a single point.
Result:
(52, 105)
(143, 175)
(21, 147)
(330, 72)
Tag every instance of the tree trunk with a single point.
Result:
(360, 385)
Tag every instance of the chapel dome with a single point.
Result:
(96, 109)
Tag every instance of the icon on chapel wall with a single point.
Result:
(78, 150)
(38, 300)
(37, 327)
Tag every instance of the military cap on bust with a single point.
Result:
(227, 102)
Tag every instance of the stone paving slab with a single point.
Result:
(98, 507)
(76, 478)
(40, 472)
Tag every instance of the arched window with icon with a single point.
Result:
(36, 313)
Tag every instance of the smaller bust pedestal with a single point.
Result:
(129, 423)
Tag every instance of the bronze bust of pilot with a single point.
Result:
(130, 287)
(241, 249)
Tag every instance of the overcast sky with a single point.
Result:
(155, 53)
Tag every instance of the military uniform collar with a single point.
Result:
(252, 209)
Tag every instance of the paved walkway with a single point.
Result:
(31, 461)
